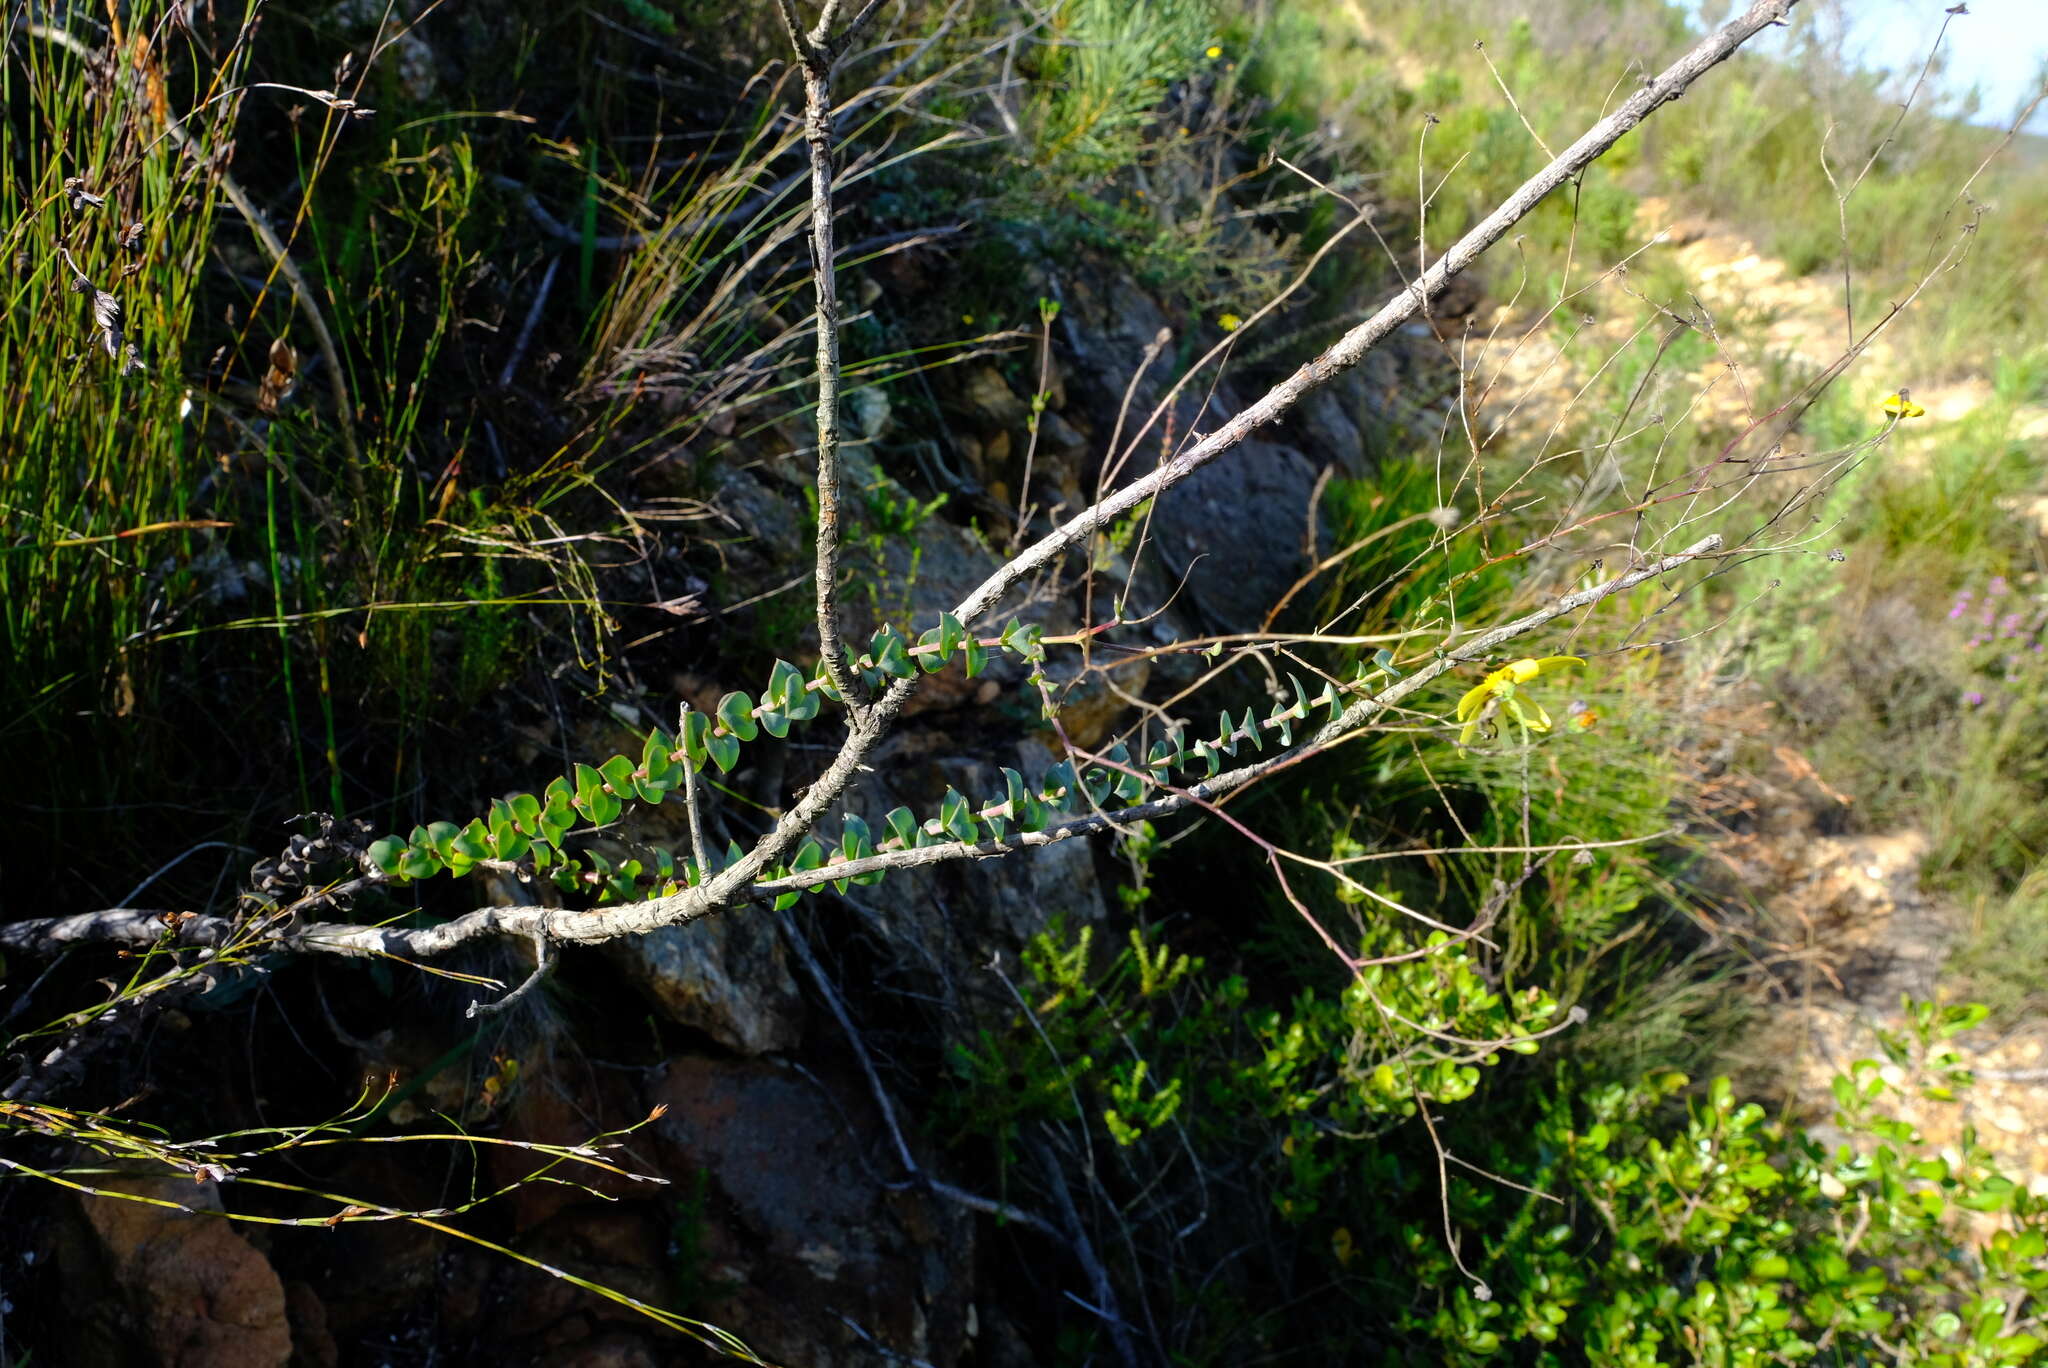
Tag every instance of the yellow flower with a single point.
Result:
(1342, 1245)
(1901, 405)
(1229, 322)
(1215, 51)
(1499, 688)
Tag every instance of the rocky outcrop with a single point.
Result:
(154, 1276)
(1238, 532)
(725, 976)
(816, 1261)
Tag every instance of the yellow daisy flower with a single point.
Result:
(1498, 691)
(1901, 405)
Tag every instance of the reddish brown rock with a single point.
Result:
(157, 1284)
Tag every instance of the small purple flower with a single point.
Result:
(1997, 586)
(1973, 643)
(1961, 605)
(2009, 625)
(1974, 699)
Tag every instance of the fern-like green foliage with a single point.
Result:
(1107, 67)
(527, 829)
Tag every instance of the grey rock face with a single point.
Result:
(725, 976)
(1239, 528)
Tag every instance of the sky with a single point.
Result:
(1999, 46)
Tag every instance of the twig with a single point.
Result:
(1480, 1289)
(959, 1196)
(525, 338)
(177, 860)
(690, 804)
(1037, 424)
(1002, 1211)
(817, 58)
(853, 1039)
(543, 961)
(1098, 1276)
(1345, 353)
(1348, 350)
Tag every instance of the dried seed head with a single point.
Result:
(75, 191)
(279, 379)
(106, 316)
(130, 239)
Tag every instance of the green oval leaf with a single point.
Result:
(525, 812)
(823, 677)
(891, 654)
(386, 854)
(736, 715)
(696, 737)
(441, 838)
(956, 815)
(618, 773)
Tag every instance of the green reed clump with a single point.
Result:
(109, 199)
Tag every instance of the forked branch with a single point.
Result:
(742, 881)
(131, 926)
